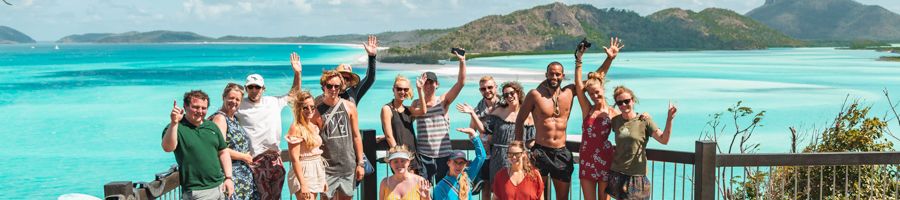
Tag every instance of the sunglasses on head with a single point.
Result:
(485, 89)
(623, 102)
(398, 89)
(332, 86)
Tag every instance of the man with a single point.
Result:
(488, 88)
(199, 146)
(261, 118)
(342, 143)
(550, 105)
(432, 123)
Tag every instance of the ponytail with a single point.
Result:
(463, 180)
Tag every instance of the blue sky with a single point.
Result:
(49, 20)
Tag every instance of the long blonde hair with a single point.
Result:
(306, 129)
(463, 180)
(527, 167)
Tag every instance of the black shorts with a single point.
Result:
(558, 163)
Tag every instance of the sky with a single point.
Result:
(49, 20)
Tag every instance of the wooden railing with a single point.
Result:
(700, 182)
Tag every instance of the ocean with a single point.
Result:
(83, 115)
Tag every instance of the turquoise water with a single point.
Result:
(84, 115)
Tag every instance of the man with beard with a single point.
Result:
(550, 105)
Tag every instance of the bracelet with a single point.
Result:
(228, 178)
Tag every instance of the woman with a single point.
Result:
(403, 185)
(501, 123)
(457, 185)
(519, 181)
(629, 168)
(596, 151)
(306, 178)
(396, 120)
(238, 142)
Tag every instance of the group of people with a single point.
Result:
(519, 138)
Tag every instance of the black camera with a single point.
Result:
(459, 51)
(584, 43)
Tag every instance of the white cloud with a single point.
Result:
(203, 10)
(302, 5)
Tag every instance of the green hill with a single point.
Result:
(557, 28)
(829, 20)
(136, 37)
(12, 36)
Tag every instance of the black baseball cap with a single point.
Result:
(431, 76)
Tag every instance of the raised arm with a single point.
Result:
(579, 84)
(371, 49)
(170, 137)
(524, 112)
(611, 52)
(386, 126)
(298, 71)
(418, 107)
(460, 81)
(662, 136)
(476, 121)
(480, 155)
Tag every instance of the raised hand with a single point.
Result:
(177, 113)
(464, 108)
(467, 131)
(460, 57)
(580, 52)
(425, 189)
(295, 62)
(645, 116)
(371, 46)
(672, 110)
(420, 82)
(614, 46)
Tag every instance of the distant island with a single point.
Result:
(555, 28)
(12, 36)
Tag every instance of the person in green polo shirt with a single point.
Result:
(203, 163)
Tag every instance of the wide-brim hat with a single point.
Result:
(345, 69)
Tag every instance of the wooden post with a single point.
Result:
(705, 170)
(369, 185)
(120, 190)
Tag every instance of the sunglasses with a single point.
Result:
(332, 86)
(515, 154)
(398, 89)
(623, 102)
(253, 87)
(307, 108)
(509, 94)
(485, 89)
(462, 162)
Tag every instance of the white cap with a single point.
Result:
(255, 79)
(396, 155)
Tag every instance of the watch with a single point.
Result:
(361, 163)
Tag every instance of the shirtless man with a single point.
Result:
(550, 104)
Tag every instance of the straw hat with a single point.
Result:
(345, 70)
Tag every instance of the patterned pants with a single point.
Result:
(268, 171)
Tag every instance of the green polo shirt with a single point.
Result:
(631, 145)
(197, 155)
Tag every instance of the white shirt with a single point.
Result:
(262, 122)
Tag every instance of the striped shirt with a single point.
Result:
(433, 132)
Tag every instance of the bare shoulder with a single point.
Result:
(569, 88)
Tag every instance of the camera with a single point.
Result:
(584, 43)
(459, 51)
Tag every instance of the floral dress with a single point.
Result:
(596, 150)
(244, 186)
